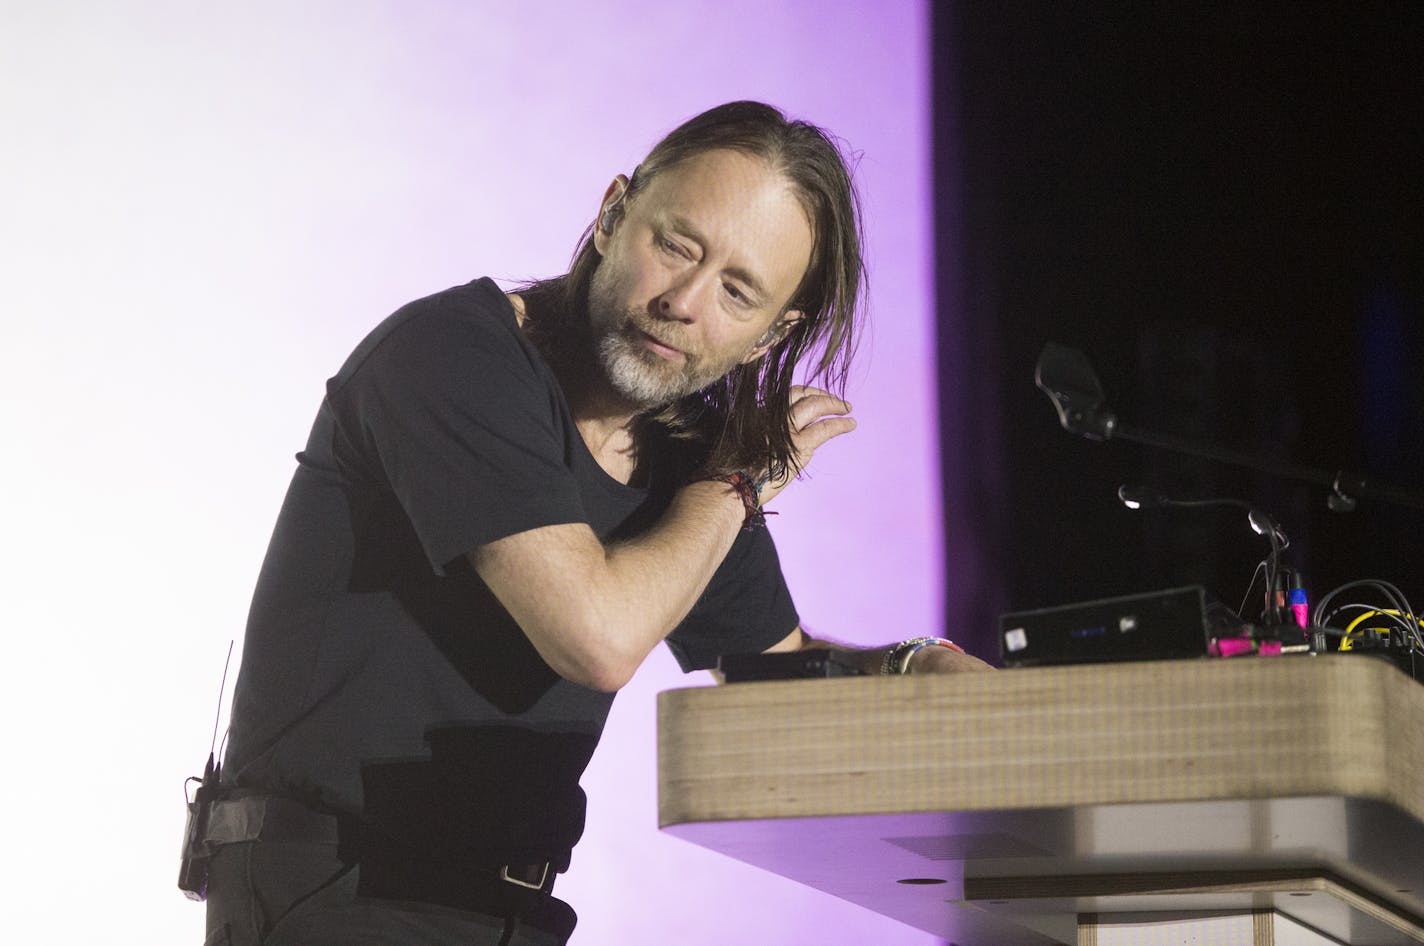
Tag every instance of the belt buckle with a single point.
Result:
(543, 876)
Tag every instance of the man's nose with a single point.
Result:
(686, 299)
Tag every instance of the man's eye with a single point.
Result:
(736, 293)
(669, 246)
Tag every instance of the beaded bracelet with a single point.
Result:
(897, 658)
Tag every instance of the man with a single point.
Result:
(506, 502)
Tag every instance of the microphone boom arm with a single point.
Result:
(1069, 381)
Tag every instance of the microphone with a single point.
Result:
(1065, 375)
(1142, 497)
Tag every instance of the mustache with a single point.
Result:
(662, 334)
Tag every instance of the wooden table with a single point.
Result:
(1045, 805)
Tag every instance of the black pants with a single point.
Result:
(265, 893)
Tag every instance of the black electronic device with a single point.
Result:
(1158, 625)
(193, 861)
(795, 665)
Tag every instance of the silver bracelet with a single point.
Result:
(890, 665)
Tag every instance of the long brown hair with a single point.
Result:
(743, 419)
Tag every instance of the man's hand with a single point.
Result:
(816, 417)
(944, 660)
(931, 659)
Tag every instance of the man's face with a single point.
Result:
(696, 269)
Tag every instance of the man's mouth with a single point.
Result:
(660, 348)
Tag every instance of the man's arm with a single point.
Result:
(594, 612)
(870, 659)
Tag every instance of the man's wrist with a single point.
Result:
(713, 497)
(747, 489)
(897, 658)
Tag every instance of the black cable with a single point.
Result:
(1405, 617)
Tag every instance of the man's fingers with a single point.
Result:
(816, 416)
(809, 438)
(802, 391)
(813, 405)
(944, 660)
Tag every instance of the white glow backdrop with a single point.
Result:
(204, 207)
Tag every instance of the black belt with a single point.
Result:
(247, 817)
(257, 817)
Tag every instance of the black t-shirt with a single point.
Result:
(380, 677)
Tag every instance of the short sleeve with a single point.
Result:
(449, 408)
(745, 609)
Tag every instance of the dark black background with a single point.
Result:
(1223, 206)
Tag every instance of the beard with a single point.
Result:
(638, 375)
(644, 378)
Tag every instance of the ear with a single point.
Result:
(609, 210)
(774, 334)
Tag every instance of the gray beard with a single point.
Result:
(643, 378)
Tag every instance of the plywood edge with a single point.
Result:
(1053, 737)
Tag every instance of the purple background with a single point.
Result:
(207, 207)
